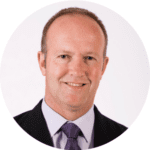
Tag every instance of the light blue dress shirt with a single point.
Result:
(55, 121)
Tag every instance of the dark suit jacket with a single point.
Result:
(33, 122)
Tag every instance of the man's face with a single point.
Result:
(74, 61)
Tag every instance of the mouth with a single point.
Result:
(75, 84)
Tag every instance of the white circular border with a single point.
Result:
(136, 13)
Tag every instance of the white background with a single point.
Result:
(136, 13)
(123, 88)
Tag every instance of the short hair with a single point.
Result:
(72, 10)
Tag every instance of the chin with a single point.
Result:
(74, 107)
(73, 102)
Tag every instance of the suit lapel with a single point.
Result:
(38, 127)
(100, 136)
(42, 134)
(33, 122)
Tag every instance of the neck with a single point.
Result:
(68, 112)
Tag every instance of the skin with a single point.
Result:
(74, 64)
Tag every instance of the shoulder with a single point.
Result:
(34, 124)
(107, 122)
(29, 119)
(106, 129)
(19, 118)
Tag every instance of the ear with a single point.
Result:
(41, 61)
(106, 59)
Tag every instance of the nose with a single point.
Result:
(78, 68)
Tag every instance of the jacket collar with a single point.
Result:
(100, 136)
(39, 130)
(38, 126)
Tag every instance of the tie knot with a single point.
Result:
(71, 130)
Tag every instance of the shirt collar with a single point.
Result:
(85, 123)
(55, 121)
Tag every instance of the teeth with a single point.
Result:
(73, 84)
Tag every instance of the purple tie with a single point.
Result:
(71, 131)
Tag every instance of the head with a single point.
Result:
(73, 58)
(72, 10)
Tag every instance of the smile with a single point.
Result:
(75, 84)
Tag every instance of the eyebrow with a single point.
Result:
(86, 53)
(65, 51)
(91, 53)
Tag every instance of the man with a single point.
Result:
(73, 60)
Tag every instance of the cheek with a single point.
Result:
(56, 71)
(95, 74)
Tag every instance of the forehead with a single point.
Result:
(75, 27)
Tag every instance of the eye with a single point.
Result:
(63, 56)
(89, 58)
